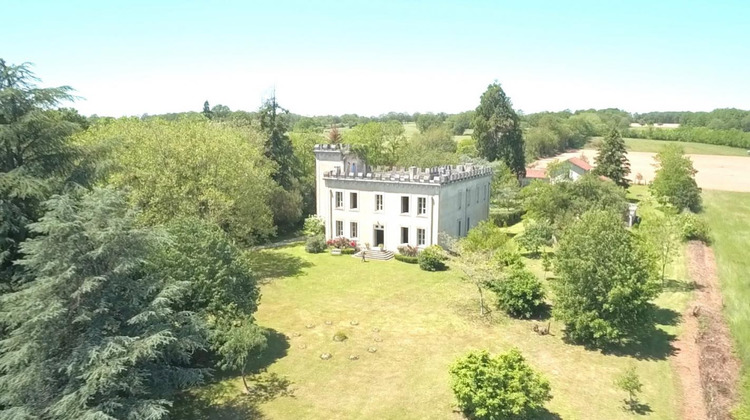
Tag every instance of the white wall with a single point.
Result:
(453, 194)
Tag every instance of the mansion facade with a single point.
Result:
(397, 206)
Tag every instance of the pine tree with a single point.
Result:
(334, 136)
(93, 335)
(612, 160)
(207, 111)
(278, 146)
(36, 158)
(497, 130)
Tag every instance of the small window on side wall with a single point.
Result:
(405, 204)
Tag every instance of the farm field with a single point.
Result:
(420, 322)
(725, 173)
(728, 215)
(654, 146)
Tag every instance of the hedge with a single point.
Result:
(348, 251)
(404, 258)
(505, 217)
(731, 138)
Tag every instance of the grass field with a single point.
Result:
(424, 321)
(655, 146)
(728, 215)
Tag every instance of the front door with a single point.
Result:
(379, 236)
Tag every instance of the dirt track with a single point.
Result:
(703, 360)
(726, 173)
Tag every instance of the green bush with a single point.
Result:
(340, 336)
(501, 387)
(694, 228)
(432, 259)
(315, 244)
(505, 217)
(406, 259)
(313, 226)
(348, 251)
(520, 294)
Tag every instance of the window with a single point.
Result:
(468, 224)
(459, 228)
(353, 230)
(378, 202)
(353, 205)
(404, 204)
(460, 199)
(339, 228)
(420, 237)
(477, 193)
(468, 197)
(404, 235)
(339, 200)
(421, 205)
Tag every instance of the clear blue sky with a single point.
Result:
(129, 58)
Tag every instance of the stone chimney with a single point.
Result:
(413, 171)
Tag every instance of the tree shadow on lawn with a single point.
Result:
(637, 407)
(272, 264)
(673, 285)
(278, 344)
(655, 344)
(545, 414)
(212, 402)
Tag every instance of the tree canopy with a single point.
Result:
(377, 143)
(191, 168)
(497, 130)
(674, 183)
(612, 160)
(605, 281)
(94, 335)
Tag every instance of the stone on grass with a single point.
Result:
(372, 349)
(340, 336)
(296, 334)
(326, 356)
(355, 322)
(302, 346)
(309, 325)
(376, 330)
(329, 322)
(353, 357)
(378, 339)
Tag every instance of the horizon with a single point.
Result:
(327, 59)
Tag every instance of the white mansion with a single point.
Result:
(397, 206)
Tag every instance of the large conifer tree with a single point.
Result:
(612, 160)
(497, 130)
(94, 334)
(36, 159)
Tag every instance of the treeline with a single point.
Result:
(551, 133)
(718, 119)
(732, 138)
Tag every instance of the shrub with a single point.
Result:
(408, 250)
(340, 336)
(498, 387)
(431, 259)
(509, 255)
(406, 259)
(313, 226)
(348, 251)
(694, 228)
(315, 244)
(341, 243)
(505, 217)
(520, 294)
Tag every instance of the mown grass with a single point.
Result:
(728, 215)
(424, 321)
(655, 146)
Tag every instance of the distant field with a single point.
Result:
(728, 214)
(655, 146)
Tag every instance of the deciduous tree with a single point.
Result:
(674, 182)
(497, 130)
(500, 387)
(605, 281)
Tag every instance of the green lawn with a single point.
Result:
(655, 146)
(728, 214)
(424, 321)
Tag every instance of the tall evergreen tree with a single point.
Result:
(207, 110)
(497, 130)
(278, 145)
(612, 160)
(94, 335)
(36, 159)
